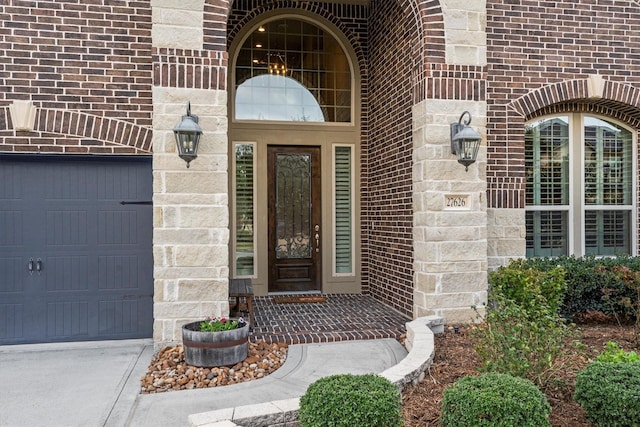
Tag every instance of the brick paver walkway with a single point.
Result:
(340, 318)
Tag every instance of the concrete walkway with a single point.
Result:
(98, 383)
(305, 363)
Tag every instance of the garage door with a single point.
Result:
(75, 249)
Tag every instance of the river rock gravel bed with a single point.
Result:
(168, 370)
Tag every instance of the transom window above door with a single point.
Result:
(580, 187)
(294, 71)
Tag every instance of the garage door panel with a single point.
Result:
(117, 228)
(67, 182)
(11, 186)
(118, 272)
(65, 228)
(12, 275)
(11, 321)
(66, 273)
(96, 266)
(119, 316)
(67, 320)
(119, 183)
(11, 228)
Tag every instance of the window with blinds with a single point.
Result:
(244, 208)
(547, 168)
(579, 188)
(343, 200)
(608, 183)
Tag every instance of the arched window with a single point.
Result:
(292, 70)
(579, 192)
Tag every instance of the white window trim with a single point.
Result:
(576, 206)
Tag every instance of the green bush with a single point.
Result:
(351, 400)
(494, 400)
(529, 287)
(522, 333)
(593, 285)
(512, 340)
(609, 392)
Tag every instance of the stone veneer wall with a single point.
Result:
(191, 215)
(450, 266)
(450, 245)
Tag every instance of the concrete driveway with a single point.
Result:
(72, 384)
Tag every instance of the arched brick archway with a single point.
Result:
(320, 12)
(610, 98)
(105, 135)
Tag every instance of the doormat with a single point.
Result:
(298, 299)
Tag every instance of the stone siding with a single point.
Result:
(506, 233)
(450, 245)
(191, 205)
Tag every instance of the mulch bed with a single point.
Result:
(455, 358)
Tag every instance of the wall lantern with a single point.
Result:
(465, 141)
(188, 134)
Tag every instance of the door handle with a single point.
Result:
(30, 266)
(317, 236)
(39, 265)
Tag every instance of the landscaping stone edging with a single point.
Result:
(411, 370)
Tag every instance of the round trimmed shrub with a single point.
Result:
(351, 400)
(495, 400)
(609, 392)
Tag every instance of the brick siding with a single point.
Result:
(86, 66)
(393, 37)
(540, 56)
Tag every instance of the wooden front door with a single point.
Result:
(295, 256)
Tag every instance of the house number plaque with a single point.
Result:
(457, 202)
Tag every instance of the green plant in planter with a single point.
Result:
(494, 400)
(217, 324)
(351, 400)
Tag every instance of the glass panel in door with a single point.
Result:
(294, 219)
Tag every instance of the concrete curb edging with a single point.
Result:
(280, 413)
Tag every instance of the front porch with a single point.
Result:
(341, 318)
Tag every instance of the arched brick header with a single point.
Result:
(316, 9)
(433, 30)
(506, 182)
(616, 99)
(94, 134)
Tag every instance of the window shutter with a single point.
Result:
(343, 210)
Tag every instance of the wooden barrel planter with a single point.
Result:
(208, 349)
